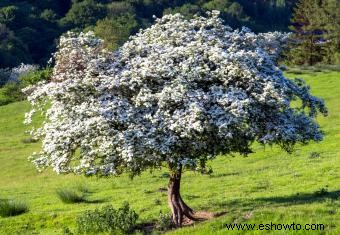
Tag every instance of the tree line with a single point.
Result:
(29, 29)
(316, 32)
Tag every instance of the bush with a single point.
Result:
(11, 91)
(164, 222)
(13, 75)
(115, 31)
(70, 196)
(108, 219)
(12, 208)
(36, 76)
(4, 99)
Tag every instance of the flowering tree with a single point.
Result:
(13, 75)
(177, 94)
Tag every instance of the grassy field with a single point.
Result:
(268, 186)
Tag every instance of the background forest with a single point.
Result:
(269, 186)
(30, 29)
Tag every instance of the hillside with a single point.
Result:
(268, 186)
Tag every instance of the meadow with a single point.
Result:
(268, 186)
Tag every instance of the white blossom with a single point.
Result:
(21, 70)
(180, 92)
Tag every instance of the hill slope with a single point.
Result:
(268, 186)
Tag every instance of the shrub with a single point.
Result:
(11, 92)
(108, 219)
(164, 222)
(70, 196)
(13, 75)
(12, 208)
(314, 155)
(33, 77)
(4, 99)
(22, 70)
(157, 202)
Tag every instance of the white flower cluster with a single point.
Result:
(21, 70)
(179, 92)
(13, 74)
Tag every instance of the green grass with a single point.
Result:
(70, 196)
(12, 208)
(268, 186)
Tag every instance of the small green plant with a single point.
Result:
(314, 155)
(147, 191)
(70, 196)
(67, 231)
(164, 222)
(321, 192)
(108, 219)
(12, 208)
(35, 76)
(157, 202)
(11, 90)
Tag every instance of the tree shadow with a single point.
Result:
(95, 201)
(302, 198)
(253, 203)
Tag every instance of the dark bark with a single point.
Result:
(178, 207)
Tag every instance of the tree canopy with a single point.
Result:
(176, 94)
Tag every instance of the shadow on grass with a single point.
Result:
(239, 207)
(302, 198)
(96, 201)
(251, 204)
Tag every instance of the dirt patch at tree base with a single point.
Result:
(202, 216)
(148, 228)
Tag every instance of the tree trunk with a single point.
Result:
(178, 207)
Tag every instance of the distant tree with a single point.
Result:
(175, 95)
(49, 15)
(115, 31)
(12, 50)
(60, 7)
(7, 14)
(4, 76)
(331, 22)
(37, 24)
(83, 14)
(232, 12)
(188, 10)
(268, 15)
(308, 33)
(220, 5)
(115, 9)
